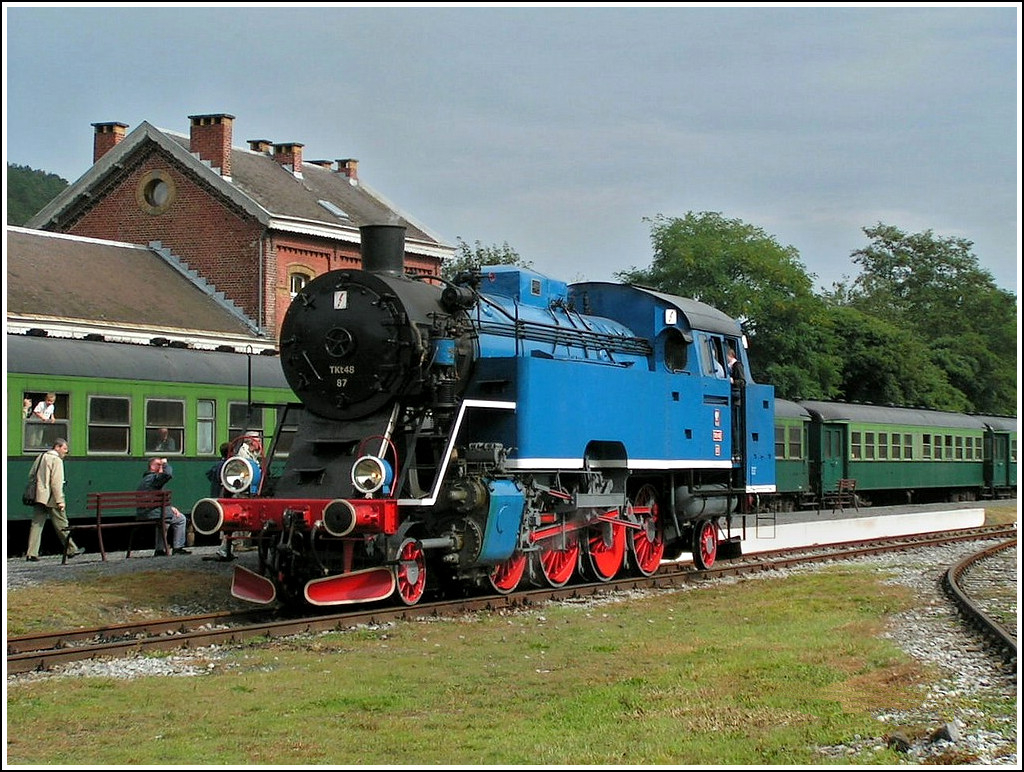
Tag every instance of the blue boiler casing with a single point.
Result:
(606, 375)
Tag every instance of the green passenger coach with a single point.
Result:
(119, 404)
(909, 455)
(792, 456)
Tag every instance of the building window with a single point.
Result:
(156, 192)
(165, 426)
(296, 282)
(109, 424)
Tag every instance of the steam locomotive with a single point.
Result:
(500, 429)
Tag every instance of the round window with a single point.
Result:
(155, 192)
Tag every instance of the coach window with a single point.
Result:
(926, 447)
(286, 431)
(206, 426)
(796, 442)
(908, 447)
(883, 446)
(242, 419)
(165, 426)
(959, 448)
(40, 434)
(109, 425)
(948, 452)
(869, 446)
(856, 454)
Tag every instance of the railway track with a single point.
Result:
(970, 585)
(44, 651)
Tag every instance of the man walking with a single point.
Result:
(48, 472)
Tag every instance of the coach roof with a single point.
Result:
(892, 416)
(127, 361)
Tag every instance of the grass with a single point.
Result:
(96, 599)
(753, 673)
(671, 678)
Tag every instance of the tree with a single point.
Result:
(884, 364)
(934, 287)
(28, 191)
(469, 258)
(747, 274)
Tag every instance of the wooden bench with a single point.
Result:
(843, 496)
(104, 503)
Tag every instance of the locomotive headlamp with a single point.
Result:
(370, 474)
(240, 475)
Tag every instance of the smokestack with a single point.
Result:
(383, 248)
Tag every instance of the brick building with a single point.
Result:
(256, 223)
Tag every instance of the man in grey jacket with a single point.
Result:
(48, 471)
(156, 476)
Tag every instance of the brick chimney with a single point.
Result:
(105, 137)
(260, 145)
(322, 163)
(210, 139)
(349, 167)
(289, 154)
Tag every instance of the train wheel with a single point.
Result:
(647, 543)
(606, 547)
(506, 576)
(705, 544)
(411, 572)
(557, 565)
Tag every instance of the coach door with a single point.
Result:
(833, 455)
(999, 456)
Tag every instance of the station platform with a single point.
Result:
(759, 534)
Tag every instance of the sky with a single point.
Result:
(562, 130)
